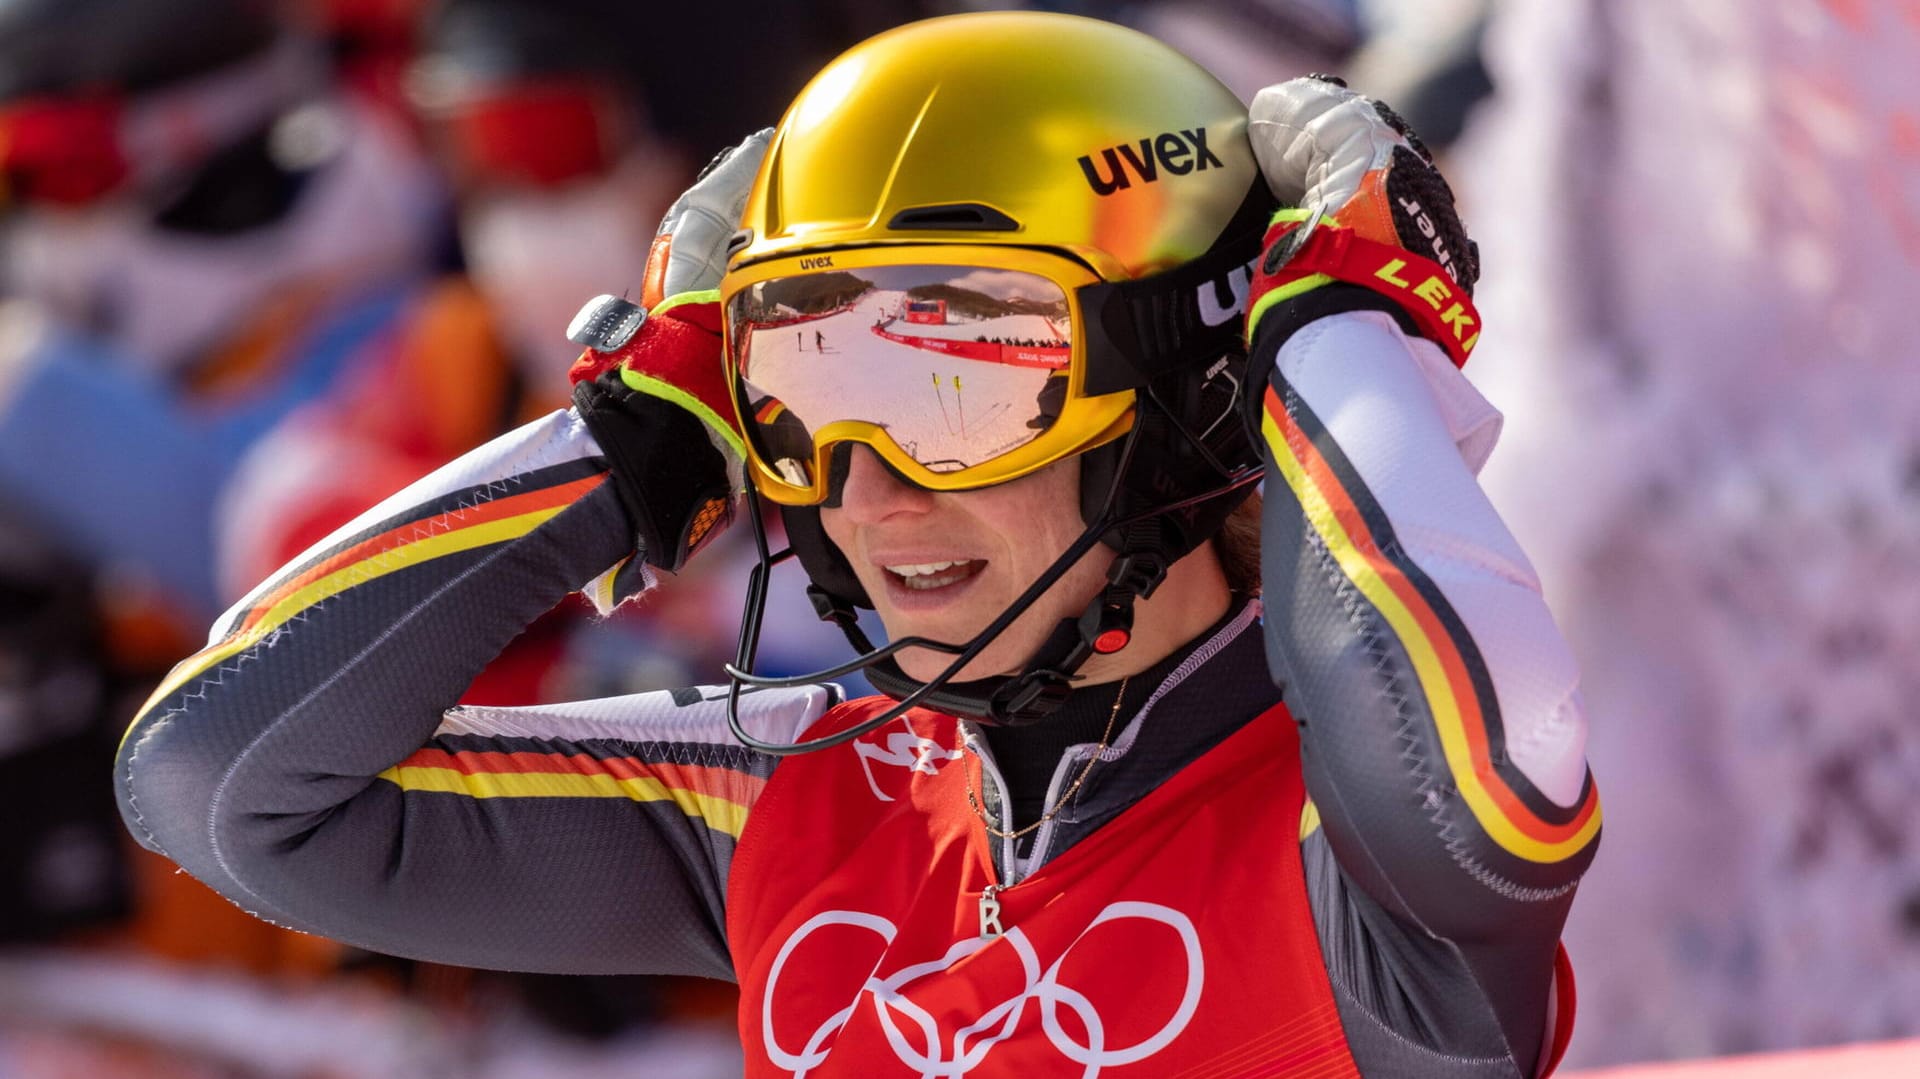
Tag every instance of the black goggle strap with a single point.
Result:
(1138, 330)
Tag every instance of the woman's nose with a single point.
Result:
(873, 492)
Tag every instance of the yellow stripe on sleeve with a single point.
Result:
(718, 813)
(1435, 687)
(413, 554)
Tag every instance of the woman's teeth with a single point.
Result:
(922, 576)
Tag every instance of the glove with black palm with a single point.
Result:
(1371, 223)
(651, 385)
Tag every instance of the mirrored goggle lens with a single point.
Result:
(959, 365)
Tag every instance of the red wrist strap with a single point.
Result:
(681, 347)
(1426, 292)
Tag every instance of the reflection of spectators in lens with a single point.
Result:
(537, 112)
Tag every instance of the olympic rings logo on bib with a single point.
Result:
(921, 1042)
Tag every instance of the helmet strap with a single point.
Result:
(1104, 627)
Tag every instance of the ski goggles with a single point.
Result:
(959, 366)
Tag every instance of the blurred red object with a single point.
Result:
(61, 150)
(369, 18)
(374, 43)
(536, 132)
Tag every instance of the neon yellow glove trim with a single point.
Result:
(1285, 215)
(647, 384)
(1285, 292)
(711, 295)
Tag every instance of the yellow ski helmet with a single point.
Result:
(1022, 128)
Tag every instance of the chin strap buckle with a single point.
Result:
(831, 608)
(1107, 624)
(1029, 698)
(1137, 574)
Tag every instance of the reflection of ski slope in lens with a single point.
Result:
(945, 411)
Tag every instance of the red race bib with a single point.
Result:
(1174, 941)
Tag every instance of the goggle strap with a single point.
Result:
(1034, 695)
(840, 612)
(1138, 330)
(1040, 690)
(1105, 627)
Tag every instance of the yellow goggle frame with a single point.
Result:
(1083, 423)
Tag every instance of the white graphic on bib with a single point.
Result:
(959, 1052)
(906, 749)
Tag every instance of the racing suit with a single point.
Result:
(1352, 858)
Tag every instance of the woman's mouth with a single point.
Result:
(929, 576)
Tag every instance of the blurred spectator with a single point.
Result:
(202, 234)
(538, 113)
(1707, 219)
(60, 867)
(196, 235)
(372, 43)
(569, 126)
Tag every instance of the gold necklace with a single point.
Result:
(994, 830)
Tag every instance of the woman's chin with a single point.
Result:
(923, 665)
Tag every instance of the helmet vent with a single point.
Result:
(954, 217)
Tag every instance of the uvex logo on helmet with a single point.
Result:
(1178, 152)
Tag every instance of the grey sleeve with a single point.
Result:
(309, 765)
(1442, 732)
